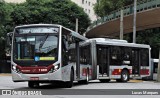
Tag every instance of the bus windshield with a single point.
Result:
(39, 49)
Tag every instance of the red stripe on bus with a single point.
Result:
(130, 71)
(116, 72)
(144, 71)
(34, 70)
(90, 72)
(84, 70)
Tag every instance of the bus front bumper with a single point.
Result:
(20, 77)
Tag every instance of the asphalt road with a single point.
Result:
(7, 83)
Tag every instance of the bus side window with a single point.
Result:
(144, 57)
(85, 55)
(115, 55)
(72, 55)
(126, 55)
(65, 56)
(155, 67)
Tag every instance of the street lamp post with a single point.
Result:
(134, 21)
(77, 25)
(121, 25)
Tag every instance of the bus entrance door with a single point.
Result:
(102, 61)
(135, 63)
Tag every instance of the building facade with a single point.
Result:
(14, 1)
(87, 6)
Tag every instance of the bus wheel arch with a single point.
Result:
(87, 76)
(69, 84)
(86, 81)
(72, 69)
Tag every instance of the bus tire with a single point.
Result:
(32, 84)
(104, 80)
(124, 76)
(69, 84)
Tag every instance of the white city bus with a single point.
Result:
(39, 54)
(46, 53)
(114, 59)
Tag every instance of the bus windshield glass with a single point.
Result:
(35, 49)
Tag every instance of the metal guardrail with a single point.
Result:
(127, 10)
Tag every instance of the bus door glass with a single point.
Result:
(102, 61)
(135, 62)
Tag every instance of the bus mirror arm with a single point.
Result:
(9, 38)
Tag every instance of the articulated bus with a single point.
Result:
(49, 53)
(39, 54)
(107, 59)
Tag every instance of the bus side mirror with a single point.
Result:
(9, 38)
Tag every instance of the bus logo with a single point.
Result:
(6, 92)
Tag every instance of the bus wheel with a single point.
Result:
(32, 84)
(104, 80)
(69, 84)
(124, 76)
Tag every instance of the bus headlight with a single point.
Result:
(54, 68)
(16, 69)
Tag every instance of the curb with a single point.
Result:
(5, 74)
(136, 81)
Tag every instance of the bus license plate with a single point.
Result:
(34, 78)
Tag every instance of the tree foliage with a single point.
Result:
(152, 38)
(63, 12)
(104, 7)
(5, 20)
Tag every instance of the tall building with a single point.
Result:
(87, 6)
(14, 1)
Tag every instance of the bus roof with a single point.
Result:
(75, 34)
(32, 25)
(116, 42)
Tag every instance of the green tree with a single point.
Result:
(63, 12)
(5, 20)
(104, 7)
(152, 38)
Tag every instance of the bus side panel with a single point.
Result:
(83, 71)
(66, 71)
(115, 71)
